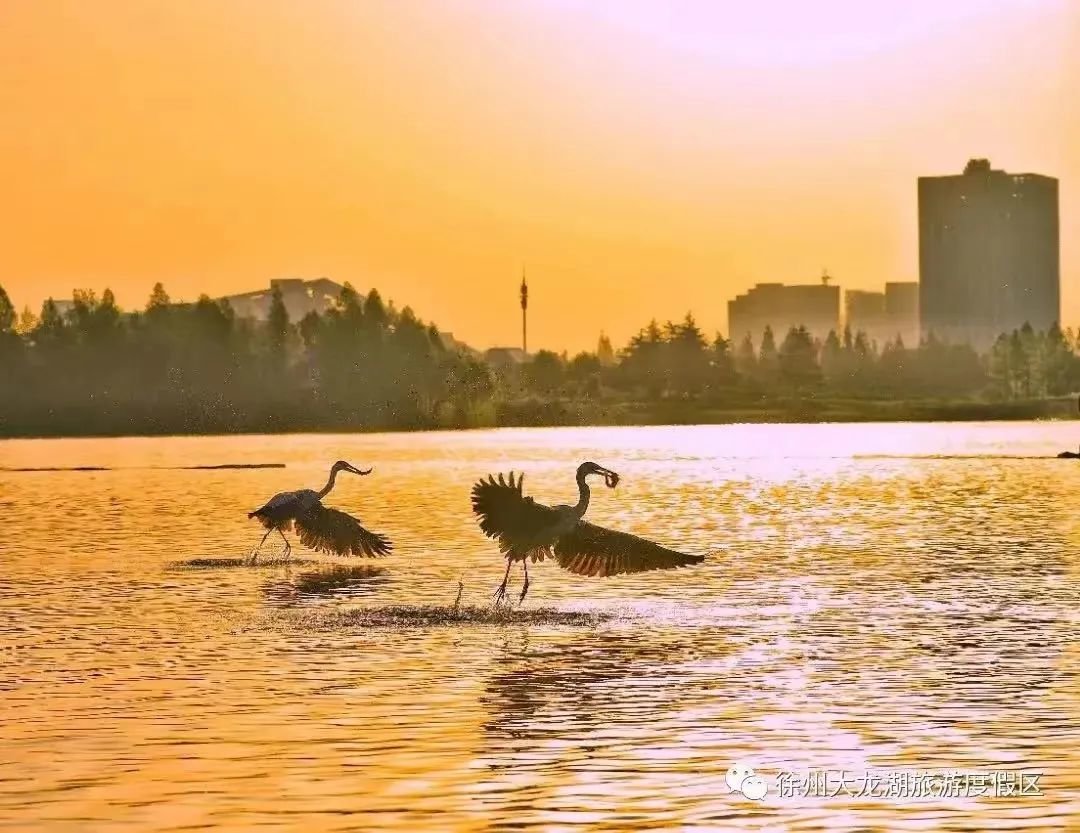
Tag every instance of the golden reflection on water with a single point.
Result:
(877, 597)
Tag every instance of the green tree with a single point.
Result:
(50, 322)
(950, 370)
(722, 362)
(1000, 367)
(892, 365)
(798, 359)
(279, 330)
(339, 367)
(834, 364)
(309, 328)
(10, 342)
(27, 322)
(584, 372)
(159, 299)
(11, 357)
(644, 360)
(470, 380)
(80, 315)
(746, 358)
(583, 366)
(1020, 364)
(1032, 350)
(7, 313)
(545, 373)
(768, 365)
(1057, 361)
(375, 311)
(604, 353)
(862, 360)
(686, 357)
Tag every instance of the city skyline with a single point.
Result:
(680, 152)
(882, 314)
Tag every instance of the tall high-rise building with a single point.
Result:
(988, 254)
(780, 307)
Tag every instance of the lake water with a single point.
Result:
(898, 602)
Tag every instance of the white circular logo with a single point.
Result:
(753, 787)
(736, 775)
(741, 778)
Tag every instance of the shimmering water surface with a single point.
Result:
(877, 598)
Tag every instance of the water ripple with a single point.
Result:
(882, 597)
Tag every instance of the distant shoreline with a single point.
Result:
(626, 413)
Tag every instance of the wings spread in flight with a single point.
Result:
(329, 530)
(518, 523)
(590, 550)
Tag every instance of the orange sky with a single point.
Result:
(640, 158)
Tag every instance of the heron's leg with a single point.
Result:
(525, 586)
(255, 551)
(500, 594)
(288, 546)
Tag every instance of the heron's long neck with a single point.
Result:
(329, 484)
(583, 496)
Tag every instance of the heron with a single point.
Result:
(526, 530)
(319, 527)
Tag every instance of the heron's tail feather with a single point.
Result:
(270, 522)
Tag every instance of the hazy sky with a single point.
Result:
(639, 158)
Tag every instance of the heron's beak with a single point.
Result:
(611, 479)
(355, 470)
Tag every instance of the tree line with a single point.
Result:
(198, 368)
(363, 364)
(677, 360)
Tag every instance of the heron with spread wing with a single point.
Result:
(319, 527)
(527, 530)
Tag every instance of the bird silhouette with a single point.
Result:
(526, 530)
(319, 527)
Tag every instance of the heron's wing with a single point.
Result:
(330, 530)
(590, 550)
(517, 522)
